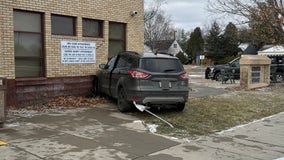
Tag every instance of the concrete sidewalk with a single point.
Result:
(260, 140)
(90, 133)
(102, 133)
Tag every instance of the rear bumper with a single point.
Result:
(158, 98)
(163, 100)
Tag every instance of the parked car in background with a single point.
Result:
(214, 72)
(151, 79)
(276, 69)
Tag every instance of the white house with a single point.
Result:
(167, 46)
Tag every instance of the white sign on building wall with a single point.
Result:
(78, 52)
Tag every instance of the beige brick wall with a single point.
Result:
(107, 10)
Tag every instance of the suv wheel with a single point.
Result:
(218, 76)
(122, 103)
(279, 77)
(180, 106)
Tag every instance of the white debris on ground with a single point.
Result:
(152, 128)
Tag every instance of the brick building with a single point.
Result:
(51, 48)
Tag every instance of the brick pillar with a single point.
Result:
(254, 71)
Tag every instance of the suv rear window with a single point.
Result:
(163, 65)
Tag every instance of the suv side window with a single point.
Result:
(133, 62)
(111, 63)
(123, 62)
(236, 63)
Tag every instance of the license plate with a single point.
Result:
(165, 84)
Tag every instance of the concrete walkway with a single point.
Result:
(261, 140)
(102, 133)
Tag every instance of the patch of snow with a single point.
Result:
(173, 138)
(244, 125)
(279, 158)
(136, 125)
(12, 125)
(118, 144)
(138, 121)
(24, 112)
(215, 85)
(195, 76)
(152, 128)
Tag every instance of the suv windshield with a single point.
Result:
(163, 65)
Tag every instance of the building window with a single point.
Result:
(28, 46)
(175, 45)
(117, 38)
(63, 25)
(92, 28)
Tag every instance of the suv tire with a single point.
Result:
(218, 76)
(122, 103)
(180, 106)
(279, 77)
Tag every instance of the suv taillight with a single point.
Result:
(183, 75)
(138, 74)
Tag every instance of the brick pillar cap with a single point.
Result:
(255, 60)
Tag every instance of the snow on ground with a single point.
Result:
(244, 125)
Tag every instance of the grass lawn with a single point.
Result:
(203, 116)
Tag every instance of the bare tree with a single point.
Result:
(152, 9)
(157, 25)
(265, 17)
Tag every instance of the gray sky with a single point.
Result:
(189, 14)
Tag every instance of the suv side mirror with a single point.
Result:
(103, 66)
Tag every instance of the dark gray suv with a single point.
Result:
(151, 79)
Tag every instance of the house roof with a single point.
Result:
(246, 48)
(250, 50)
(243, 46)
(276, 50)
